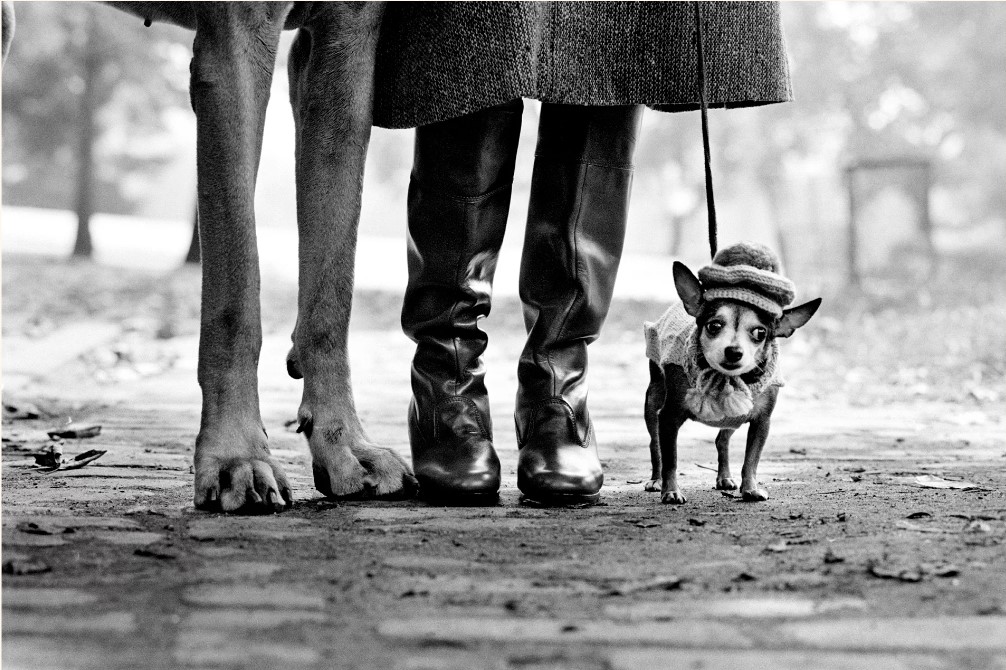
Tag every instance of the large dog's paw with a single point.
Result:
(387, 473)
(348, 466)
(652, 486)
(673, 497)
(754, 494)
(362, 472)
(725, 484)
(238, 475)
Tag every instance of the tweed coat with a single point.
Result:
(440, 60)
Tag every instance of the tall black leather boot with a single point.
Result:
(575, 231)
(459, 198)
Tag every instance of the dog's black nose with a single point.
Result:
(733, 354)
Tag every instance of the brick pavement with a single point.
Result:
(134, 577)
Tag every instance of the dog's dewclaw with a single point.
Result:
(75, 432)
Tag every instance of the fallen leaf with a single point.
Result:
(50, 457)
(908, 525)
(33, 528)
(918, 515)
(78, 461)
(893, 572)
(74, 432)
(656, 584)
(778, 547)
(633, 481)
(934, 482)
(25, 566)
(163, 552)
(16, 410)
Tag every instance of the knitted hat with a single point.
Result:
(748, 273)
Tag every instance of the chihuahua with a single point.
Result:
(713, 359)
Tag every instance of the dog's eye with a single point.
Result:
(758, 335)
(714, 328)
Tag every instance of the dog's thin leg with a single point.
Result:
(670, 423)
(331, 70)
(234, 52)
(724, 481)
(654, 401)
(757, 435)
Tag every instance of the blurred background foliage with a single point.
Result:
(96, 119)
(87, 105)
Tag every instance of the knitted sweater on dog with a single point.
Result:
(714, 398)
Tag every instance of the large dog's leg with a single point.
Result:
(331, 83)
(234, 55)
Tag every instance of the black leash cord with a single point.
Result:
(704, 106)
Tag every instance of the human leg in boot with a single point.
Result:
(459, 198)
(575, 230)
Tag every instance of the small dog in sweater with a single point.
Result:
(714, 359)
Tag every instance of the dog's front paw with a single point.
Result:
(725, 484)
(387, 473)
(338, 474)
(673, 497)
(348, 466)
(235, 475)
(652, 486)
(754, 494)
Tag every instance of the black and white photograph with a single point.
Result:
(516, 335)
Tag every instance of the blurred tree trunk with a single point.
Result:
(193, 256)
(87, 132)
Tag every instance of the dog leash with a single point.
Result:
(704, 106)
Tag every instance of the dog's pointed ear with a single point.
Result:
(689, 289)
(795, 317)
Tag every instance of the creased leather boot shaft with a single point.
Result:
(459, 198)
(575, 231)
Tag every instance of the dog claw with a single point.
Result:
(652, 486)
(726, 484)
(246, 484)
(754, 495)
(673, 498)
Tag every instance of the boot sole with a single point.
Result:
(560, 499)
(440, 497)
